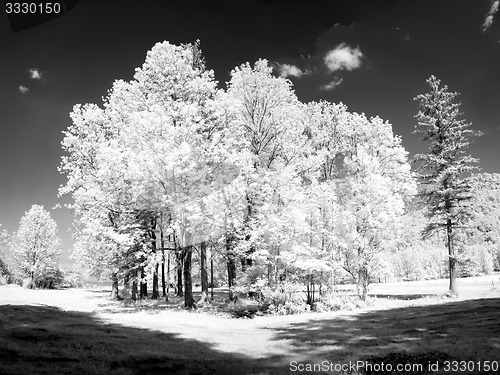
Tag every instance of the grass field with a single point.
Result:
(412, 324)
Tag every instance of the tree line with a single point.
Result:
(287, 190)
(277, 191)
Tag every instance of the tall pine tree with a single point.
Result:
(446, 167)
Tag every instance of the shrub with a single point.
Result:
(339, 301)
(424, 261)
(294, 304)
(72, 280)
(53, 278)
(273, 297)
(476, 260)
(5, 274)
(251, 282)
(27, 283)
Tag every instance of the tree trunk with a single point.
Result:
(212, 277)
(152, 235)
(134, 287)
(204, 272)
(362, 283)
(246, 259)
(162, 243)
(32, 280)
(310, 290)
(126, 286)
(155, 294)
(163, 280)
(168, 275)
(231, 274)
(114, 286)
(143, 285)
(188, 285)
(276, 269)
(180, 262)
(231, 264)
(452, 259)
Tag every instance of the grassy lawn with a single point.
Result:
(83, 332)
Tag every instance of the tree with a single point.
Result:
(376, 184)
(5, 275)
(412, 257)
(483, 233)
(268, 123)
(270, 179)
(362, 182)
(148, 151)
(35, 245)
(168, 117)
(445, 169)
(4, 240)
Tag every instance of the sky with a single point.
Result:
(374, 56)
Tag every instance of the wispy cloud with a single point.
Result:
(488, 21)
(343, 57)
(35, 73)
(405, 34)
(287, 70)
(332, 85)
(23, 89)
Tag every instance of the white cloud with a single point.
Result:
(343, 57)
(286, 70)
(35, 73)
(330, 86)
(23, 89)
(488, 21)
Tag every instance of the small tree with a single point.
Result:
(4, 240)
(446, 186)
(35, 245)
(5, 275)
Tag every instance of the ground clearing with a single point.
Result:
(82, 332)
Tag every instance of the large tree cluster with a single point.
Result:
(172, 165)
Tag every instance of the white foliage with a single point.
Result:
(35, 245)
(298, 185)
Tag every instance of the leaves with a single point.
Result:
(35, 245)
(284, 185)
(445, 167)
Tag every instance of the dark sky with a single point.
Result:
(374, 56)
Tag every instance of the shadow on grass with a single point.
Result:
(244, 308)
(99, 291)
(460, 330)
(402, 296)
(47, 340)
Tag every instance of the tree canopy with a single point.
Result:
(36, 246)
(282, 190)
(446, 167)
